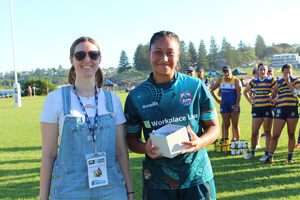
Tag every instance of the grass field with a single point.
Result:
(235, 178)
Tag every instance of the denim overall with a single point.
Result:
(69, 176)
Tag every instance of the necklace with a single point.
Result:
(83, 93)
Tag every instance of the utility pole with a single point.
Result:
(17, 88)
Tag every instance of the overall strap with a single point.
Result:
(109, 104)
(66, 100)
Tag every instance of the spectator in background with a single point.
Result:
(271, 71)
(262, 108)
(200, 74)
(29, 90)
(231, 90)
(190, 71)
(286, 111)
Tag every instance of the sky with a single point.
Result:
(44, 30)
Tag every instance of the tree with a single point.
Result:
(298, 50)
(286, 48)
(245, 54)
(38, 72)
(43, 86)
(202, 61)
(124, 64)
(270, 51)
(184, 57)
(141, 58)
(60, 68)
(192, 54)
(228, 53)
(260, 47)
(213, 53)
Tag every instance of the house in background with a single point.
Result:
(280, 59)
(2, 74)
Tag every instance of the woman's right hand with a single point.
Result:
(220, 102)
(149, 149)
(253, 102)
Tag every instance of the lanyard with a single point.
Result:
(92, 129)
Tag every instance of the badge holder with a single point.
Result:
(97, 170)
(96, 162)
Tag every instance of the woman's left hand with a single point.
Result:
(194, 143)
(236, 109)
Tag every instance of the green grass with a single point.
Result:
(235, 178)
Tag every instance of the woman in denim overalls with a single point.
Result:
(64, 175)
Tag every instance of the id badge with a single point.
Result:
(97, 170)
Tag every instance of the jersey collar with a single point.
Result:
(165, 85)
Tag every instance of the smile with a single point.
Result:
(87, 67)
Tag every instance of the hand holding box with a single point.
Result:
(168, 138)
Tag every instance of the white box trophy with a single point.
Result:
(168, 138)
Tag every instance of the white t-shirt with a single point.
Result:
(52, 111)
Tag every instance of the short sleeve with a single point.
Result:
(251, 84)
(50, 109)
(296, 83)
(133, 123)
(274, 82)
(207, 106)
(120, 117)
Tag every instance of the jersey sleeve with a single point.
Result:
(274, 82)
(251, 84)
(207, 106)
(296, 82)
(50, 111)
(134, 122)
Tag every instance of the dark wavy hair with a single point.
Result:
(72, 73)
(286, 66)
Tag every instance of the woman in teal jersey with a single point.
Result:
(171, 97)
(286, 111)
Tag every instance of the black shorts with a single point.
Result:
(263, 112)
(286, 112)
(203, 191)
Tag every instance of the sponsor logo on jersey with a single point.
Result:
(186, 98)
(154, 103)
(285, 90)
(262, 91)
(173, 120)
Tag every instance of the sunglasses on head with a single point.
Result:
(80, 55)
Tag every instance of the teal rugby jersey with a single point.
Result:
(262, 90)
(286, 98)
(185, 100)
